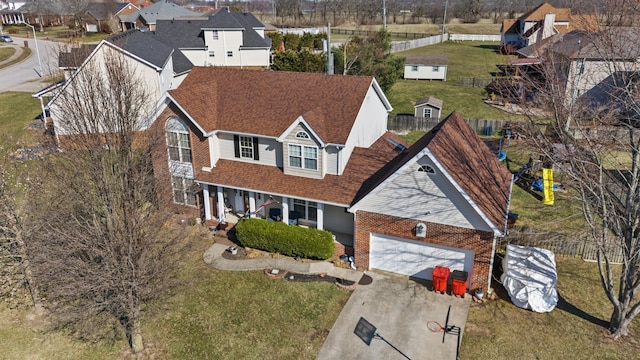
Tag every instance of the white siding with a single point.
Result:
(331, 155)
(270, 151)
(337, 219)
(228, 40)
(369, 125)
(198, 57)
(425, 197)
(254, 57)
(426, 72)
(148, 75)
(291, 139)
(594, 72)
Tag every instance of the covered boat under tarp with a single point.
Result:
(530, 278)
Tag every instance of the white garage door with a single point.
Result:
(414, 258)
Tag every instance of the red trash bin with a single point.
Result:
(459, 282)
(440, 275)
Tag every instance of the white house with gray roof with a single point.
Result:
(148, 17)
(157, 65)
(234, 39)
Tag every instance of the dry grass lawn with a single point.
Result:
(575, 329)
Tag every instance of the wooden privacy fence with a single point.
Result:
(560, 244)
(474, 81)
(400, 123)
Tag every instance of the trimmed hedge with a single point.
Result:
(278, 237)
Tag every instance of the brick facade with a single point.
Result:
(199, 151)
(479, 242)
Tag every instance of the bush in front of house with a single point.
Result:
(278, 237)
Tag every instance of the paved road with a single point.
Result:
(15, 75)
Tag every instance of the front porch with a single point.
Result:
(230, 205)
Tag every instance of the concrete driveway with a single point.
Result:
(400, 309)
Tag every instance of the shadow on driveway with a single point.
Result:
(395, 313)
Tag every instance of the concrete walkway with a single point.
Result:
(213, 257)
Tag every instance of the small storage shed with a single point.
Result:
(426, 67)
(428, 107)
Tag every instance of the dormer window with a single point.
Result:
(303, 157)
(427, 169)
(302, 135)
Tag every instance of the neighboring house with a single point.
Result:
(540, 23)
(313, 150)
(226, 38)
(46, 13)
(147, 16)
(103, 17)
(428, 107)
(159, 65)
(426, 67)
(581, 59)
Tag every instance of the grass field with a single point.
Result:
(17, 111)
(211, 314)
(575, 329)
(466, 59)
(6, 52)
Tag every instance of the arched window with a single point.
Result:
(426, 168)
(302, 135)
(178, 140)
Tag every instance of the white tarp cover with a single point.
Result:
(530, 278)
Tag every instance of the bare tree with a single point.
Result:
(15, 268)
(593, 139)
(105, 250)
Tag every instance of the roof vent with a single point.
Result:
(396, 144)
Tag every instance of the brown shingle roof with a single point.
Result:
(429, 101)
(333, 188)
(538, 13)
(426, 60)
(467, 159)
(273, 101)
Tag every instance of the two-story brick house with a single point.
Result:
(313, 150)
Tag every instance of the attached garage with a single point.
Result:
(414, 258)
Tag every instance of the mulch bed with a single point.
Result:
(241, 255)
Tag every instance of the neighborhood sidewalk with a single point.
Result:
(213, 257)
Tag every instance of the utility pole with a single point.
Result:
(384, 14)
(329, 53)
(444, 18)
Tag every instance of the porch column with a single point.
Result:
(252, 203)
(207, 204)
(221, 205)
(285, 210)
(320, 219)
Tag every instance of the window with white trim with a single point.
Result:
(178, 143)
(214, 34)
(183, 190)
(426, 112)
(427, 169)
(307, 210)
(303, 157)
(246, 147)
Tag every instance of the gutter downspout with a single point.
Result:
(495, 238)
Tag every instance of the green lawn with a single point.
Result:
(17, 110)
(466, 59)
(211, 314)
(6, 52)
(573, 330)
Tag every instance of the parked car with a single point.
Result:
(6, 38)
